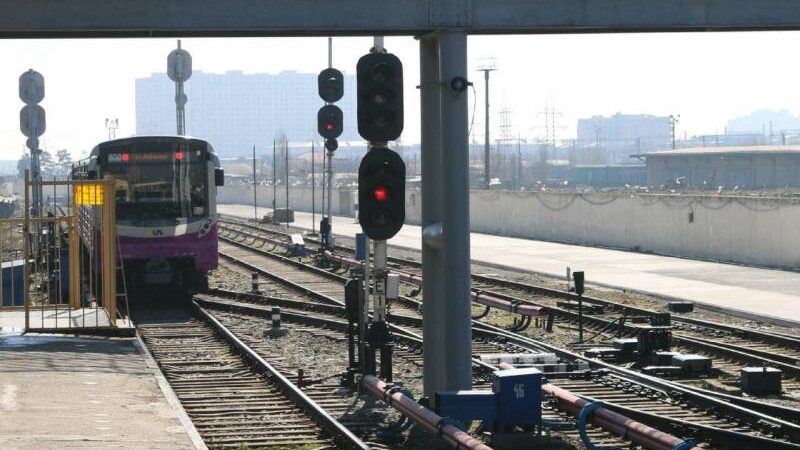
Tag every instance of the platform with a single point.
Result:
(61, 392)
(748, 292)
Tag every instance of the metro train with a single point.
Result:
(165, 190)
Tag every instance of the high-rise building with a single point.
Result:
(234, 111)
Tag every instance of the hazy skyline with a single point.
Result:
(707, 78)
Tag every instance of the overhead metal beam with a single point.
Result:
(149, 18)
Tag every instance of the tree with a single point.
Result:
(63, 163)
(46, 164)
(23, 164)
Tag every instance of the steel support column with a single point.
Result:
(433, 306)
(445, 215)
(455, 208)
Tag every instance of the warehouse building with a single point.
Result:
(747, 167)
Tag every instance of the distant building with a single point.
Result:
(608, 176)
(763, 122)
(638, 132)
(234, 111)
(746, 167)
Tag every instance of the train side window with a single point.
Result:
(219, 177)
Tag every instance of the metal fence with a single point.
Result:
(59, 260)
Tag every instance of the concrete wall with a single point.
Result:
(733, 229)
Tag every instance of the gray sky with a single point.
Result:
(706, 78)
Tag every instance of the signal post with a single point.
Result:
(381, 188)
(330, 124)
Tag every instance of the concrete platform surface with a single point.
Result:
(82, 393)
(747, 292)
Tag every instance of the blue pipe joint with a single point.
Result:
(685, 445)
(583, 416)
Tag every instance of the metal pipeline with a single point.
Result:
(616, 423)
(422, 416)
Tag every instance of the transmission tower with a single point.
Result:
(550, 115)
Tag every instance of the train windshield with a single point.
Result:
(159, 188)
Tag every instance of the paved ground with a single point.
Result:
(81, 393)
(744, 291)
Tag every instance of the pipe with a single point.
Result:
(422, 416)
(637, 432)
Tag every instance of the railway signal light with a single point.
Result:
(331, 145)
(329, 121)
(331, 85)
(380, 97)
(381, 193)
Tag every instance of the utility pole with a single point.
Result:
(286, 150)
(673, 120)
(313, 192)
(255, 203)
(274, 178)
(487, 67)
(519, 163)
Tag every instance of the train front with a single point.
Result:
(166, 208)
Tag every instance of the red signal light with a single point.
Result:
(179, 155)
(329, 126)
(381, 194)
(126, 157)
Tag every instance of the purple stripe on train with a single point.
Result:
(203, 249)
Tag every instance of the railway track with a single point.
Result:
(731, 347)
(712, 419)
(234, 404)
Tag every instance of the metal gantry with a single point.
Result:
(443, 55)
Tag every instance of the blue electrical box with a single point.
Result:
(14, 283)
(518, 393)
(361, 246)
(466, 405)
(515, 399)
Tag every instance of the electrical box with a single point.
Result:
(664, 358)
(660, 319)
(392, 286)
(761, 380)
(626, 345)
(652, 339)
(361, 246)
(692, 363)
(518, 394)
(681, 307)
(467, 405)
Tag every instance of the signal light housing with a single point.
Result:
(381, 193)
(329, 122)
(380, 97)
(331, 85)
